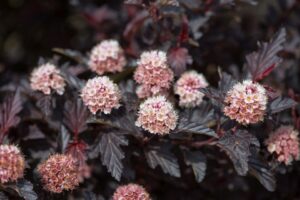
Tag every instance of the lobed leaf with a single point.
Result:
(23, 189)
(46, 104)
(63, 139)
(178, 59)
(281, 103)
(111, 152)
(237, 147)
(75, 116)
(197, 161)
(263, 61)
(3, 196)
(165, 159)
(263, 173)
(186, 125)
(9, 109)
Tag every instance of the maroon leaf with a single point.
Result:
(281, 103)
(164, 158)
(262, 62)
(184, 33)
(135, 25)
(76, 116)
(9, 109)
(109, 146)
(133, 2)
(178, 58)
(237, 147)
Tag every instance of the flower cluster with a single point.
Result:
(153, 74)
(59, 172)
(107, 56)
(101, 94)
(47, 77)
(131, 192)
(187, 87)
(284, 142)
(246, 103)
(12, 163)
(157, 116)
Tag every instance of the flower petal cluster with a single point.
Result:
(108, 56)
(153, 74)
(246, 103)
(47, 77)
(187, 87)
(12, 163)
(284, 142)
(101, 94)
(157, 116)
(59, 172)
(131, 192)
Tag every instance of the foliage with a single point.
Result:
(207, 154)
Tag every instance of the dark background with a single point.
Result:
(30, 29)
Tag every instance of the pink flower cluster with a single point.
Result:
(12, 163)
(157, 116)
(59, 172)
(101, 94)
(187, 87)
(153, 74)
(246, 103)
(107, 56)
(47, 77)
(284, 142)
(131, 192)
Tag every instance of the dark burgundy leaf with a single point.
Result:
(72, 54)
(77, 149)
(34, 133)
(164, 158)
(72, 80)
(191, 4)
(226, 83)
(237, 147)
(75, 116)
(197, 161)
(168, 2)
(263, 61)
(197, 23)
(263, 173)
(185, 125)
(134, 26)
(178, 59)
(252, 2)
(184, 33)
(9, 109)
(46, 104)
(3, 196)
(23, 189)
(280, 104)
(134, 2)
(111, 152)
(63, 139)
